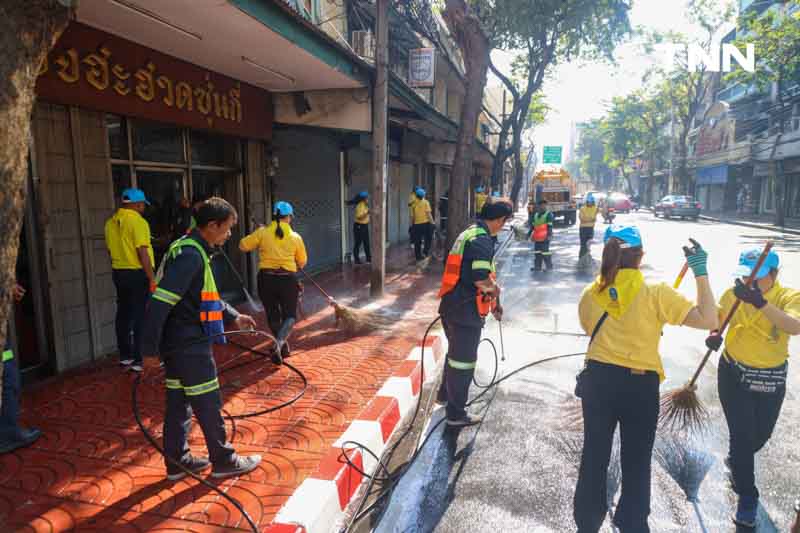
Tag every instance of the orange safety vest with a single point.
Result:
(540, 226)
(452, 269)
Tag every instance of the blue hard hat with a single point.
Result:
(479, 188)
(133, 196)
(629, 235)
(363, 194)
(748, 260)
(589, 198)
(419, 191)
(283, 209)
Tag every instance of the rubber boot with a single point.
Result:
(282, 348)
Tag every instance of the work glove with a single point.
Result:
(714, 341)
(749, 294)
(697, 258)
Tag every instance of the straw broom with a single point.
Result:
(681, 409)
(353, 321)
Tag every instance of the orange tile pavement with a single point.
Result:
(93, 470)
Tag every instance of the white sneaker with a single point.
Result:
(136, 368)
(126, 362)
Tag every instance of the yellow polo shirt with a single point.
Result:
(480, 199)
(362, 212)
(588, 216)
(421, 212)
(632, 331)
(125, 232)
(288, 253)
(751, 338)
(412, 201)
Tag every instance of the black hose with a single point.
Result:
(149, 437)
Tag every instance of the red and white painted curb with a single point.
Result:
(320, 500)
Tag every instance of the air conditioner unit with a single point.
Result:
(363, 44)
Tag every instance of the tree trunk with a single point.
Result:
(28, 30)
(519, 173)
(781, 194)
(474, 47)
(651, 182)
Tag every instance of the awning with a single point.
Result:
(716, 175)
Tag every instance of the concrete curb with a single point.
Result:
(321, 499)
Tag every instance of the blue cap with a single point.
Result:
(479, 188)
(748, 260)
(589, 198)
(363, 194)
(419, 191)
(283, 209)
(133, 196)
(629, 235)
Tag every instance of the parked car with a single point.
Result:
(678, 206)
(620, 202)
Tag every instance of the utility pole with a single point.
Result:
(380, 119)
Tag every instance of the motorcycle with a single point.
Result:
(609, 215)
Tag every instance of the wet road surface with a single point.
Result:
(517, 470)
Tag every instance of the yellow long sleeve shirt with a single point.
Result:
(288, 253)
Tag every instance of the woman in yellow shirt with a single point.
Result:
(751, 375)
(422, 225)
(361, 227)
(281, 253)
(624, 315)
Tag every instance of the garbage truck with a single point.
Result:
(558, 188)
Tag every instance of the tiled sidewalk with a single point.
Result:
(93, 470)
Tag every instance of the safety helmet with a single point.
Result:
(748, 260)
(479, 188)
(420, 192)
(283, 209)
(363, 194)
(590, 199)
(628, 234)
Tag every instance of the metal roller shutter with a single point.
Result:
(308, 178)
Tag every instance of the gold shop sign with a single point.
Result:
(93, 69)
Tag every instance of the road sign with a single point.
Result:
(552, 154)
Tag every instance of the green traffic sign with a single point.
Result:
(552, 154)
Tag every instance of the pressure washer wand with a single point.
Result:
(239, 278)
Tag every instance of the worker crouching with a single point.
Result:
(752, 370)
(281, 254)
(469, 292)
(184, 319)
(619, 384)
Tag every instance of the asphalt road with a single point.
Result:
(517, 470)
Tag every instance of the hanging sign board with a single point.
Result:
(552, 155)
(421, 67)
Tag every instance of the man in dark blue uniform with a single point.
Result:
(469, 276)
(185, 308)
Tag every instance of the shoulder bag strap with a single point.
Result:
(597, 327)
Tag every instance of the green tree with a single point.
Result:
(776, 36)
(622, 134)
(28, 30)
(591, 153)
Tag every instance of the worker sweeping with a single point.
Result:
(186, 307)
(588, 218)
(281, 254)
(469, 292)
(480, 199)
(752, 369)
(541, 233)
(624, 316)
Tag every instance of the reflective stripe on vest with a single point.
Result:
(452, 269)
(8, 355)
(540, 225)
(210, 304)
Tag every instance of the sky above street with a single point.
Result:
(579, 91)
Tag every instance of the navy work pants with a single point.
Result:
(133, 291)
(459, 367)
(9, 412)
(586, 234)
(542, 253)
(751, 418)
(421, 236)
(192, 386)
(361, 234)
(615, 395)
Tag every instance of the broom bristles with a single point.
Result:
(357, 322)
(682, 410)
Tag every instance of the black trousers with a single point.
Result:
(615, 395)
(361, 238)
(586, 234)
(751, 418)
(542, 253)
(192, 387)
(459, 367)
(279, 295)
(421, 236)
(133, 292)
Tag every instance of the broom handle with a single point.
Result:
(735, 306)
(680, 277)
(309, 278)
